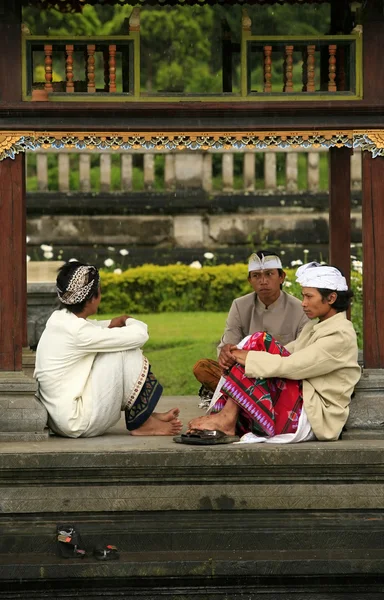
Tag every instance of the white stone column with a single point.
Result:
(291, 172)
(169, 171)
(249, 171)
(126, 172)
(270, 180)
(85, 172)
(149, 171)
(105, 172)
(227, 170)
(356, 170)
(207, 172)
(63, 172)
(313, 171)
(42, 172)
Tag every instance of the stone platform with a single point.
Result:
(237, 521)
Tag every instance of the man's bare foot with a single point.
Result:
(167, 416)
(153, 426)
(225, 420)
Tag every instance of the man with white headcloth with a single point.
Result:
(268, 308)
(295, 393)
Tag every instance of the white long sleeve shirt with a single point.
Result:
(64, 359)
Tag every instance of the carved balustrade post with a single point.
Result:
(332, 68)
(267, 68)
(91, 49)
(69, 68)
(112, 68)
(288, 69)
(48, 67)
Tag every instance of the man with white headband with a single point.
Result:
(267, 308)
(295, 393)
(90, 371)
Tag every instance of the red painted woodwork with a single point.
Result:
(12, 263)
(373, 252)
(340, 209)
(373, 52)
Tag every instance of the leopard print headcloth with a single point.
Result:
(79, 286)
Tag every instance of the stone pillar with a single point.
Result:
(249, 171)
(169, 172)
(149, 171)
(313, 171)
(105, 172)
(207, 172)
(227, 167)
(22, 416)
(340, 209)
(356, 170)
(85, 172)
(63, 172)
(373, 252)
(42, 172)
(291, 172)
(189, 170)
(270, 181)
(126, 172)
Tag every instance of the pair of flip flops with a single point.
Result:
(70, 545)
(205, 437)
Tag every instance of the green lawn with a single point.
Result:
(176, 341)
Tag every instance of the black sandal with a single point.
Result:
(108, 552)
(69, 542)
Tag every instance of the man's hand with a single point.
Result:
(118, 321)
(239, 356)
(226, 360)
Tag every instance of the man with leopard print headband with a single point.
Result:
(88, 371)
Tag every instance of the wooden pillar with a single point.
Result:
(373, 252)
(340, 209)
(10, 56)
(12, 263)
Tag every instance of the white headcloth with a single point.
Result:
(271, 261)
(315, 275)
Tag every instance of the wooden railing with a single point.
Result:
(271, 68)
(177, 170)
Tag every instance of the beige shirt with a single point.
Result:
(324, 357)
(284, 319)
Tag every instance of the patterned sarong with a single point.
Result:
(268, 407)
(145, 403)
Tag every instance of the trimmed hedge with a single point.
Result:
(155, 289)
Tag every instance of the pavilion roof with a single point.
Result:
(76, 5)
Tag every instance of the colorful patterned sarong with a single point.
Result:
(145, 403)
(268, 407)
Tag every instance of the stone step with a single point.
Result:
(190, 575)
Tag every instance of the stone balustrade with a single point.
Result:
(211, 171)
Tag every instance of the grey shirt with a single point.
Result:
(284, 319)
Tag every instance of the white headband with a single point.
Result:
(256, 263)
(78, 287)
(315, 275)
